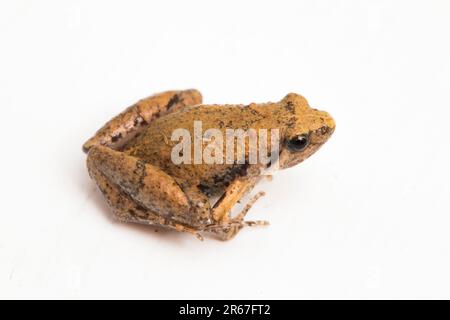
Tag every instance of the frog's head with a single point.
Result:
(306, 131)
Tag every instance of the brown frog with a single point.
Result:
(131, 159)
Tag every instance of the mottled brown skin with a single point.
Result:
(130, 159)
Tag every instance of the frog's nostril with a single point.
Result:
(323, 130)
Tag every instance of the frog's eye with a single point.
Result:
(298, 143)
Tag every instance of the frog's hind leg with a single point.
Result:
(139, 192)
(126, 125)
(126, 210)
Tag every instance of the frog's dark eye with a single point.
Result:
(298, 143)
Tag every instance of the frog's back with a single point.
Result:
(154, 145)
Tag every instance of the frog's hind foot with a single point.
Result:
(181, 228)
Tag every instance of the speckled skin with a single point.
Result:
(130, 159)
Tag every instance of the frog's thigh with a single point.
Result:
(123, 207)
(134, 119)
(126, 209)
(147, 185)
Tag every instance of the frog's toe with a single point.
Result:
(257, 223)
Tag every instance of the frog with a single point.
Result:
(130, 159)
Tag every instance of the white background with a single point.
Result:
(368, 216)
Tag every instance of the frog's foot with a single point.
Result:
(152, 219)
(181, 228)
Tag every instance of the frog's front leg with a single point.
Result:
(147, 187)
(224, 226)
(233, 193)
(123, 127)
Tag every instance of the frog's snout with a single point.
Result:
(325, 126)
(328, 121)
(325, 131)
